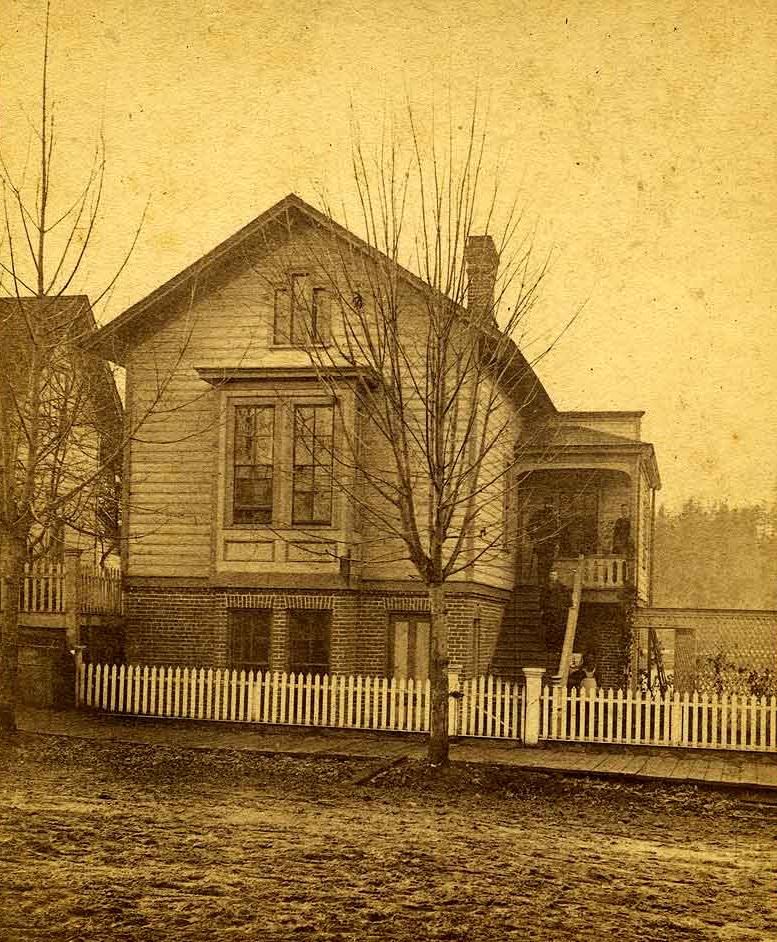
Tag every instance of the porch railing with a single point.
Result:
(100, 592)
(42, 590)
(69, 587)
(599, 572)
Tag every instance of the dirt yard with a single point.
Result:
(122, 842)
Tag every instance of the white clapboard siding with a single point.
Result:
(697, 721)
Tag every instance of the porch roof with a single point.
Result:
(551, 439)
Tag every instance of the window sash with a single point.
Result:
(302, 313)
(312, 481)
(249, 640)
(253, 459)
(309, 642)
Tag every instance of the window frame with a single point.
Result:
(245, 615)
(258, 405)
(298, 618)
(413, 620)
(283, 446)
(313, 466)
(305, 312)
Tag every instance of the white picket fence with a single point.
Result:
(483, 706)
(691, 721)
(480, 706)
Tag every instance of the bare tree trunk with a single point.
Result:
(438, 733)
(11, 574)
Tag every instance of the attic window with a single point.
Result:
(302, 312)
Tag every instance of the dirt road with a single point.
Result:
(129, 842)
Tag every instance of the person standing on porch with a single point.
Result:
(621, 534)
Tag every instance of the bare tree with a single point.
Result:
(59, 444)
(442, 390)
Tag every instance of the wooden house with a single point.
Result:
(238, 553)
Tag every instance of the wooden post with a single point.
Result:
(72, 593)
(78, 662)
(531, 724)
(454, 703)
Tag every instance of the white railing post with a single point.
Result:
(531, 723)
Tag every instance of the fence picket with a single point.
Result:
(192, 694)
(488, 706)
(90, 698)
(301, 697)
(168, 692)
(348, 699)
(773, 722)
(292, 696)
(266, 694)
(704, 724)
(324, 699)
(120, 700)
(177, 692)
(183, 702)
(762, 724)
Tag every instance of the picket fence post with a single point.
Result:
(454, 703)
(531, 723)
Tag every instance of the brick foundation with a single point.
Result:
(189, 626)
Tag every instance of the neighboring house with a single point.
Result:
(80, 423)
(238, 552)
(61, 428)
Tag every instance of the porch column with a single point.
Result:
(531, 705)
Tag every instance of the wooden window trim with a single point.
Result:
(283, 446)
(314, 466)
(234, 509)
(287, 336)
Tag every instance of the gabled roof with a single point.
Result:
(71, 316)
(115, 339)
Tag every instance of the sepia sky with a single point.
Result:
(640, 137)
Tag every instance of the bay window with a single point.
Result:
(280, 462)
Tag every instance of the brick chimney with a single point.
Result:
(482, 260)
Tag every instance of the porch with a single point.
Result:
(598, 515)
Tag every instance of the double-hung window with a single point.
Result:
(249, 639)
(253, 464)
(302, 312)
(312, 485)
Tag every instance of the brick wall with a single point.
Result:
(176, 626)
(601, 629)
(189, 626)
